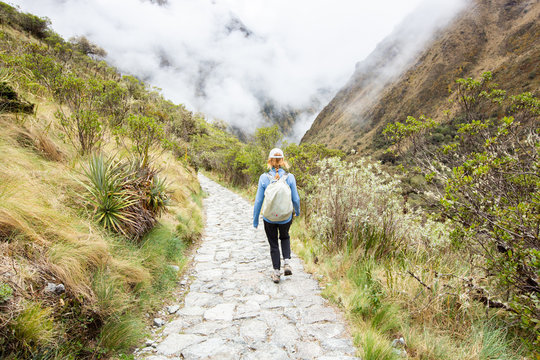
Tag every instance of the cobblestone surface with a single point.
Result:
(234, 311)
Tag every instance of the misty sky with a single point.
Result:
(200, 55)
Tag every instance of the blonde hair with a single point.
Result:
(277, 163)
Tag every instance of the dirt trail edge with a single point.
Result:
(234, 311)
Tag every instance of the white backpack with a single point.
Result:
(277, 205)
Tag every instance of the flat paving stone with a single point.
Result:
(175, 343)
(234, 311)
(220, 312)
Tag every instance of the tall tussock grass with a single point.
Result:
(39, 141)
(396, 271)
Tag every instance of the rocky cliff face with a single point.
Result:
(397, 79)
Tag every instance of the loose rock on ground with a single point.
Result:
(234, 311)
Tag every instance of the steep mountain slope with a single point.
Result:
(501, 36)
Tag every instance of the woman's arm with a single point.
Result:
(263, 183)
(294, 194)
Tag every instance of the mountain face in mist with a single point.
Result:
(395, 81)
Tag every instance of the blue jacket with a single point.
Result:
(264, 181)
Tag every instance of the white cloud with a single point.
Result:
(297, 47)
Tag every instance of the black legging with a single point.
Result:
(272, 235)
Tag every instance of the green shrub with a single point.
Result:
(83, 128)
(114, 102)
(82, 124)
(5, 292)
(45, 69)
(125, 197)
(304, 159)
(145, 132)
(35, 25)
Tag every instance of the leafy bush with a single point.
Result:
(350, 201)
(488, 178)
(82, 126)
(145, 132)
(304, 160)
(413, 130)
(85, 46)
(35, 25)
(216, 150)
(183, 124)
(114, 102)
(44, 68)
(5, 292)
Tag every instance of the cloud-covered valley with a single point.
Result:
(227, 58)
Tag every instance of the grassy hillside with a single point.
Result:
(80, 277)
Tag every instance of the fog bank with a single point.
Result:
(226, 58)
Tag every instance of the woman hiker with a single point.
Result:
(281, 199)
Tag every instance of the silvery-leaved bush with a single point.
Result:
(351, 196)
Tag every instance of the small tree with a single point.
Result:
(114, 102)
(35, 25)
(82, 124)
(87, 47)
(145, 132)
(83, 128)
(268, 137)
(412, 130)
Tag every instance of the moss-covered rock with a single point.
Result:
(10, 102)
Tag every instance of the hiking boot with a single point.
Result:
(275, 277)
(287, 269)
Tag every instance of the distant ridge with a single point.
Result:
(498, 35)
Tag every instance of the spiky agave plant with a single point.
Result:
(158, 199)
(108, 195)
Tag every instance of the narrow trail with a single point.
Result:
(234, 311)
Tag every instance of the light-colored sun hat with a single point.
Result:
(276, 153)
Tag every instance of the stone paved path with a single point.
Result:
(234, 311)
